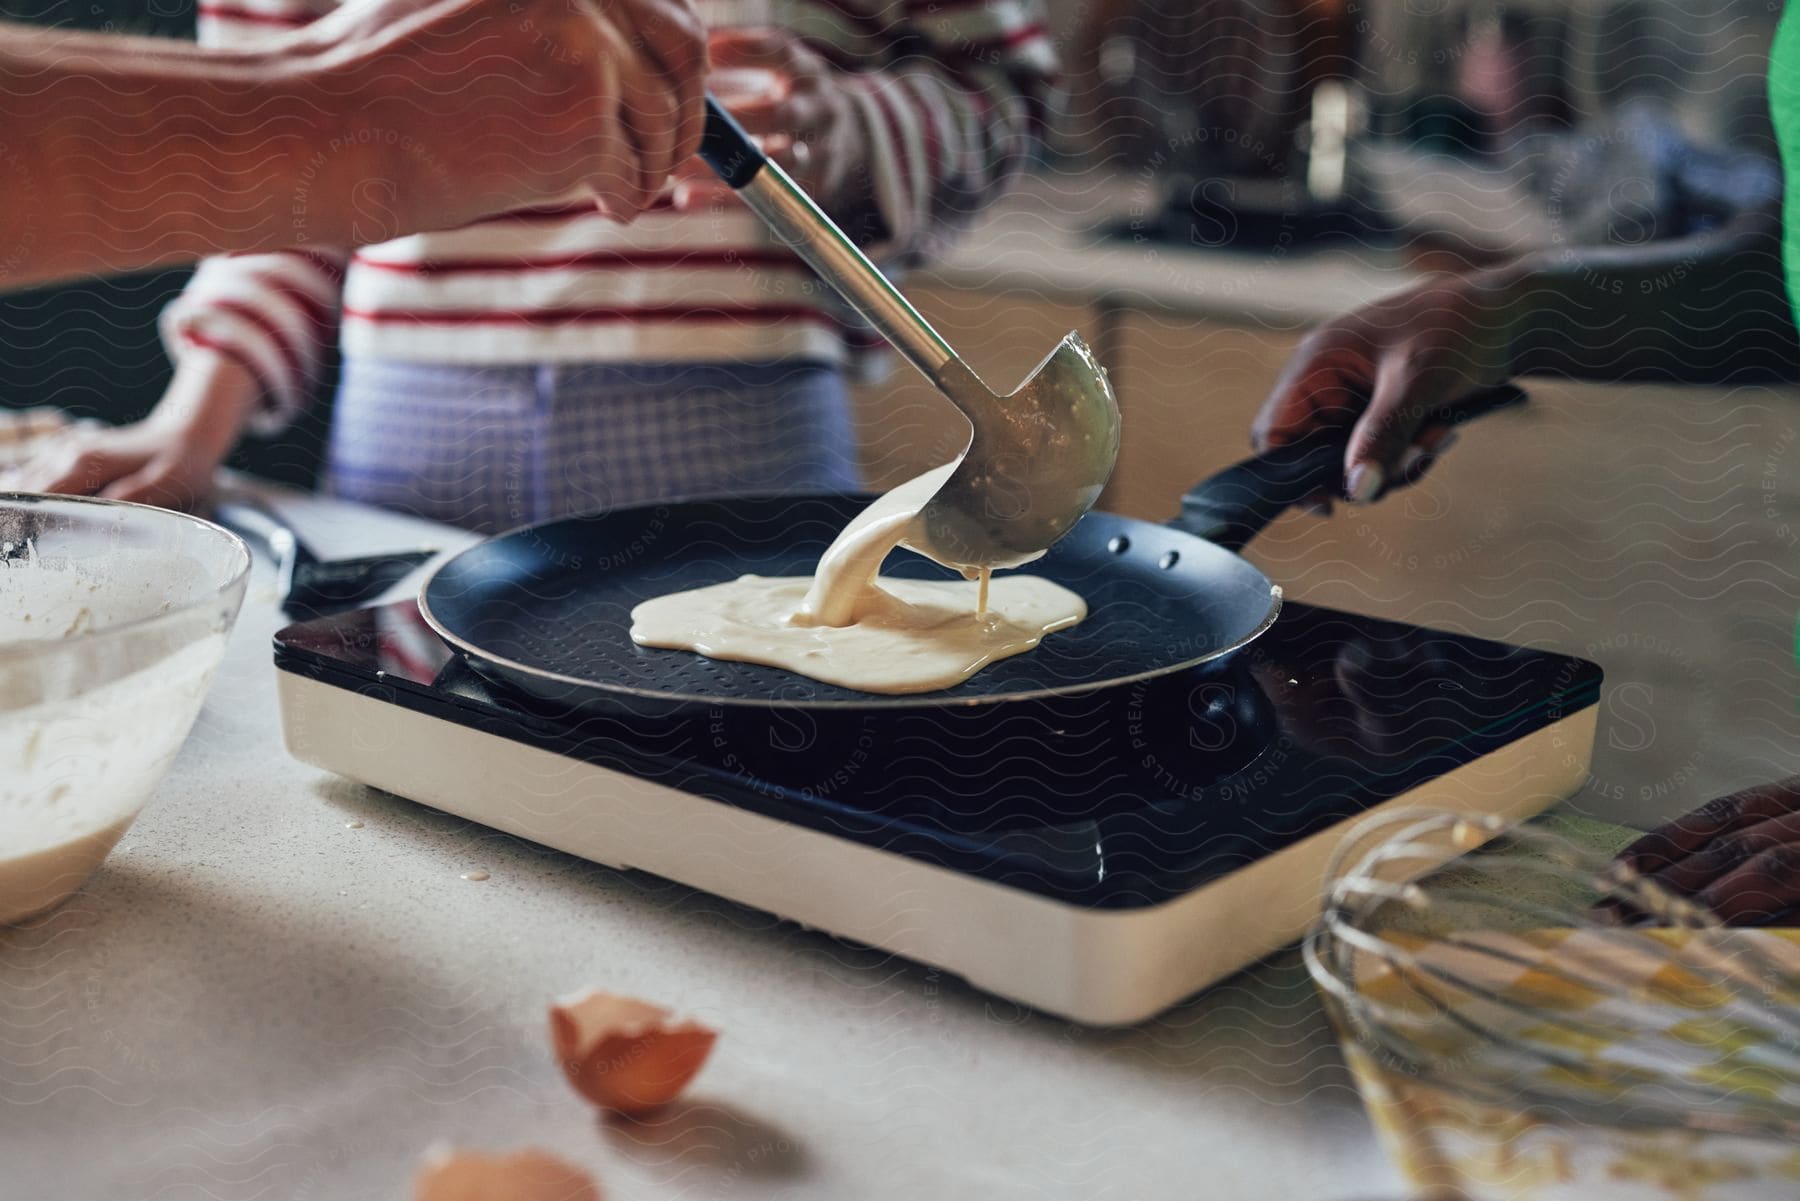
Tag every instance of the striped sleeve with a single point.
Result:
(275, 314)
(955, 113)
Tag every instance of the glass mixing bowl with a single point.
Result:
(113, 618)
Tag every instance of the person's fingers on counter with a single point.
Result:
(163, 484)
(1767, 884)
(1669, 843)
(1711, 863)
(78, 468)
(1726, 852)
(1691, 831)
(45, 461)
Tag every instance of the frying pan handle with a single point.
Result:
(1234, 506)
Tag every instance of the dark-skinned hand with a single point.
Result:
(1738, 855)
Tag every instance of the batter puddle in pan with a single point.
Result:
(846, 626)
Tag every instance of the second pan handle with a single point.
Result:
(1238, 503)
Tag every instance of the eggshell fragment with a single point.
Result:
(449, 1174)
(626, 1055)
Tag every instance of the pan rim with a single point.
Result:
(911, 700)
(477, 657)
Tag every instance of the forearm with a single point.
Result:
(276, 314)
(208, 403)
(133, 155)
(1703, 309)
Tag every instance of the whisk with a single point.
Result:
(1497, 980)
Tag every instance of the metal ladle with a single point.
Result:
(1036, 458)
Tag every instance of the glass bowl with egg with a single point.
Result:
(113, 619)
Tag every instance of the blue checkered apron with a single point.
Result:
(493, 447)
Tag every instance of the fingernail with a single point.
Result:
(1364, 483)
(1409, 460)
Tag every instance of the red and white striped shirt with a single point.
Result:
(948, 94)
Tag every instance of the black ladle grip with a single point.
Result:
(726, 148)
(1238, 503)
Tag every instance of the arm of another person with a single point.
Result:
(129, 152)
(248, 337)
(1708, 308)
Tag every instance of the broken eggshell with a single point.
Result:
(450, 1174)
(625, 1055)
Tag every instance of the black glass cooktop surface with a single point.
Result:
(1122, 798)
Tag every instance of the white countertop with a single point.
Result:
(254, 1000)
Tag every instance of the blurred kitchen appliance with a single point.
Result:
(1267, 124)
(1241, 114)
(1497, 129)
(1505, 66)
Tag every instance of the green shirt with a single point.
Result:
(1784, 107)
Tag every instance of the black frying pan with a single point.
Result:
(546, 609)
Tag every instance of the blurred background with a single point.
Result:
(1254, 165)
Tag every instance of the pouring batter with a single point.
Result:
(845, 626)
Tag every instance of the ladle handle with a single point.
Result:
(1234, 506)
(787, 210)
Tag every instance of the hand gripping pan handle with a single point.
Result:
(1234, 506)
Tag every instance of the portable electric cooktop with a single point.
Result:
(1098, 856)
